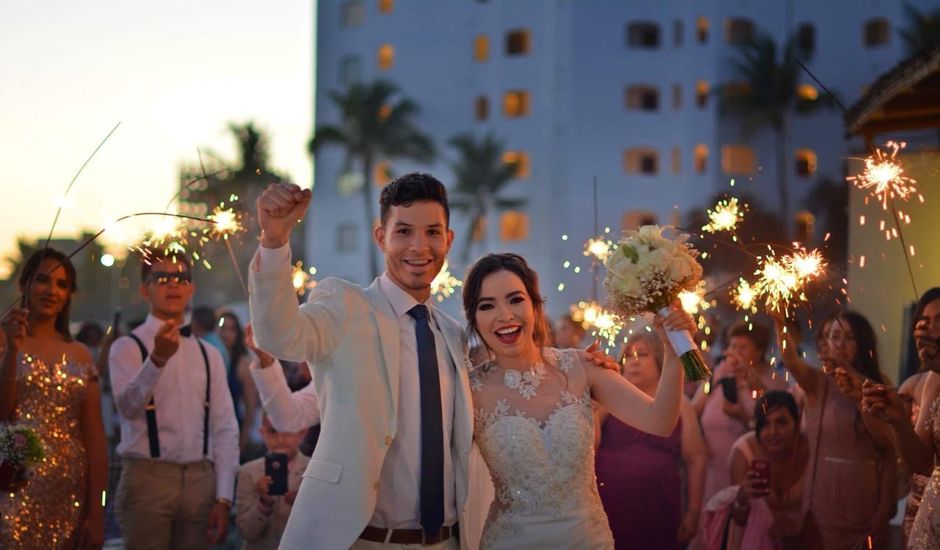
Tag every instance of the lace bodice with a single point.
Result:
(539, 447)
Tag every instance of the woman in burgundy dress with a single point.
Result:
(639, 475)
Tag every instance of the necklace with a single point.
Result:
(525, 382)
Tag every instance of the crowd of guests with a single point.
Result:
(798, 454)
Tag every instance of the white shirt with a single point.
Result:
(397, 502)
(288, 411)
(178, 390)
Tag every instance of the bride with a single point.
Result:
(533, 420)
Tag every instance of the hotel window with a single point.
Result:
(382, 174)
(643, 34)
(738, 159)
(876, 33)
(634, 219)
(479, 230)
(518, 42)
(353, 12)
(641, 160)
(481, 48)
(807, 92)
(481, 107)
(385, 111)
(678, 29)
(642, 98)
(386, 57)
(739, 30)
(805, 162)
(514, 226)
(386, 6)
(702, 89)
(702, 26)
(701, 158)
(350, 70)
(516, 103)
(521, 160)
(676, 160)
(677, 96)
(806, 37)
(346, 237)
(805, 226)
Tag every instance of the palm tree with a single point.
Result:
(376, 122)
(766, 94)
(481, 175)
(923, 30)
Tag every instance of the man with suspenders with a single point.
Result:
(179, 435)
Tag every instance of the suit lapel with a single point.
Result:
(389, 336)
(463, 405)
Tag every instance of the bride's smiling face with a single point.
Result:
(505, 316)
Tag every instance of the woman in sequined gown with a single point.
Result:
(919, 444)
(533, 420)
(50, 383)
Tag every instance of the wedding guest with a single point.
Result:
(205, 326)
(568, 332)
(852, 468)
(244, 393)
(179, 436)
(639, 476)
(763, 508)
(262, 517)
(49, 382)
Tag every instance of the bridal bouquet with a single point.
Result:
(20, 450)
(646, 271)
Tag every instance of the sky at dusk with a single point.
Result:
(172, 73)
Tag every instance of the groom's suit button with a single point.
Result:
(388, 440)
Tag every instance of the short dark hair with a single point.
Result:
(150, 256)
(410, 188)
(494, 263)
(28, 276)
(756, 332)
(770, 402)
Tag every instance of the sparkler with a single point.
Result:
(302, 280)
(694, 301)
(726, 216)
(444, 284)
(226, 224)
(598, 247)
(783, 280)
(598, 320)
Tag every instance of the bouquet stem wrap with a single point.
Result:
(692, 361)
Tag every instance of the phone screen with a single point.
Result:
(275, 467)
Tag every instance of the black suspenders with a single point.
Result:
(153, 436)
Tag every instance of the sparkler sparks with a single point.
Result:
(225, 222)
(444, 284)
(302, 280)
(783, 280)
(884, 176)
(598, 320)
(598, 247)
(726, 216)
(744, 296)
(694, 301)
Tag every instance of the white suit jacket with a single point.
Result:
(350, 337)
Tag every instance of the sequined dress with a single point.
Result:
(47, 510)
(535, 431)
(925, 534)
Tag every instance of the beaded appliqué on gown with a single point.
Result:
(542, 469)
(925, 534)
(45, 512)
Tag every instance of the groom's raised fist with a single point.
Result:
(280, 207)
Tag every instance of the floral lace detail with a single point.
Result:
(565, 361)
(925, 533)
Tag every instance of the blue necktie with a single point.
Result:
(432, 426)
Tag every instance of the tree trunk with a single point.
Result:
(783, 191)
(370, 215)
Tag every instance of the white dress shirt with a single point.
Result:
(288, 411)
(398, 505)
(178, 390)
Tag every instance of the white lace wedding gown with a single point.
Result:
(535, 431)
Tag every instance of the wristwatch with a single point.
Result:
(225, 502)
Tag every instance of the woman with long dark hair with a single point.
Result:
(244, 393)
(49, 382)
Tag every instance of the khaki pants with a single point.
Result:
(164, 506)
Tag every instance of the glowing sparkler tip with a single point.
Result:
(725, 216)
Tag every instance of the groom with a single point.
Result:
(391, 464)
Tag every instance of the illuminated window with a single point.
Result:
(807, 92)
(516, 103)
(805, 162)
(805, 225)
(350, 70)
(642, 98)
(481, 107)
(518, 42)
(738, 159)
(353, 12)
(678, 29)
(676, 96)
(481, 48)
(521, 160)
(386, 6)
(876, 33)
(386, 57)
(479, 230)
(634, 219)
(739, 30)
(701, 158)
(382, 173)
(347, 237)
(384, 112)
(643, 34)
(676, 160)
(641, 160)
(514, 226)
(806, 37)
(702, 26)
(702, 89)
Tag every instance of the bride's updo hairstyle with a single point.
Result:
(494, 263)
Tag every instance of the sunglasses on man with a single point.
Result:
(164, 277)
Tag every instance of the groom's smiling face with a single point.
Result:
(415, 240)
